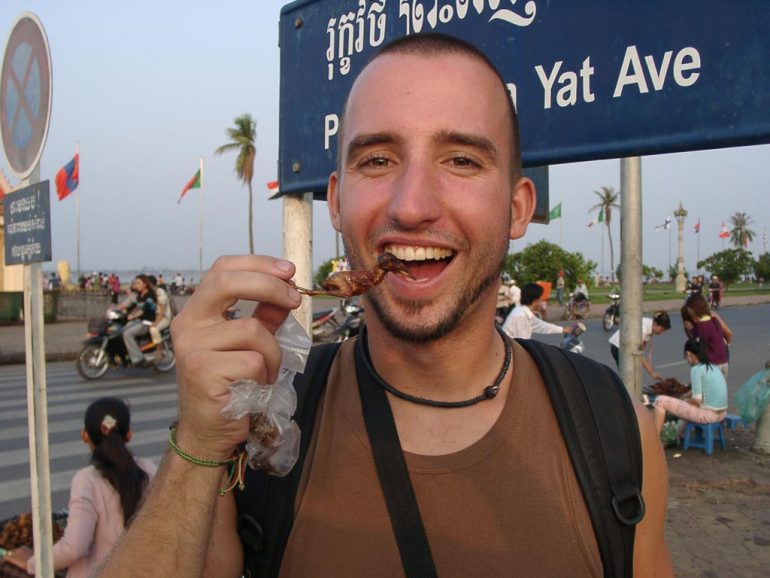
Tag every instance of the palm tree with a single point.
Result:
(608, 198)
(740, 234)
(243, 136)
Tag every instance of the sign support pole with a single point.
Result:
(631, 281)
(37, 410)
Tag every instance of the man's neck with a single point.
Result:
(456, 367)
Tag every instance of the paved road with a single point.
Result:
(153, 401)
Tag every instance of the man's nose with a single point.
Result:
(416, 197)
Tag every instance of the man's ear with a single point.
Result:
(333, 201)
(523, 203)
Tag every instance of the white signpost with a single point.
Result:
(25, 112)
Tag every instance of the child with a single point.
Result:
(104, 496)
(708, 403)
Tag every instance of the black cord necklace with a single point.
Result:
(489, 392)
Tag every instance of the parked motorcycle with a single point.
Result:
(324, 324)
(612, 314)
(350, 326)
(104, 347)
(571, 341)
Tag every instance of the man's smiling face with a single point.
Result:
(426, 175)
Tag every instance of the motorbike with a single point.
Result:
(324, 324)
(104, 347)
(571, 341)
(577, 307)
(612, 314)
(351, 325)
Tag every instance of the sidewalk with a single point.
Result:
(718, 521)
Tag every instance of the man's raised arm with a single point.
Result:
(183, 514)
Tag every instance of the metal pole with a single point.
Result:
(77, 212)
(37, 412)
(200, 242)
(298, 248)
(631, 281)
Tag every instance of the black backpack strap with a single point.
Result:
(404, 512)
(266, 506)
(601, 433)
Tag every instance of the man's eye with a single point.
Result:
(464, 161)
(375, 162)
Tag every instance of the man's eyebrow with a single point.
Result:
(368, 140)
(481, 143)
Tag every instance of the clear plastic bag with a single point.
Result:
(753, 396)
(273, 442)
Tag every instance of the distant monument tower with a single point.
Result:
(681, 282)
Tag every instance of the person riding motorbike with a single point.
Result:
(142, 311)
(163, 315)
(581, 293)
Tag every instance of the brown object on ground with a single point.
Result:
(671, 387)
(346, 284)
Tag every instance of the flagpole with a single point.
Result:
(698, 261)
(77, 214)
(200, 245)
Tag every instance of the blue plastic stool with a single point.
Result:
(701, 436)
(732, 421)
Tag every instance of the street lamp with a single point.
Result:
(681, 282)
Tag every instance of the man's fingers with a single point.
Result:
(246, 337)
(249, 277)
(270, 315)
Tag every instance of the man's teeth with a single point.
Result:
(412, 253)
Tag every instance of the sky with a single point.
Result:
(147, 88)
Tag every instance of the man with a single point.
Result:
(522, 322)
(560, 287)
(428, 158)
(659, 323)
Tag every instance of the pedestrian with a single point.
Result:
(711, 329)
(560, 287)
(103, 496)
(522, 322)
(708, 403)
(429, 169)
(651, 327)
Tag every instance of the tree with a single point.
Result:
(242, 138)
(542, 261)
(740, 234)
(608, 198)
(648, 273)
(762, 267)
(730, 265)
(323, 271)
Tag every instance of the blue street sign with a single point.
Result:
(591, 80)
(27, 225)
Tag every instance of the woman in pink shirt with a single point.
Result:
(105, 495)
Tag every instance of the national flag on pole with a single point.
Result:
(555, 213)
(273, 188)
(666, 225)
(68, 178)
(697, 227)
(193, 183)
(598, 219)
(723, 232)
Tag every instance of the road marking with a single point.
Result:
(674, 364)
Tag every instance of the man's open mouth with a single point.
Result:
(422, 262)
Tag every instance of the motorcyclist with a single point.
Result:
(141, 314)
(163, 315)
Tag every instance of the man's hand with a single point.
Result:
(567, 330)
(213, 351)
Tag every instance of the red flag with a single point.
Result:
(697, 227)
(723, 232)
(193, 183)
(273, 188)
(68, 178)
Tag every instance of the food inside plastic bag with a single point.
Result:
(273, 441)
(753, 396)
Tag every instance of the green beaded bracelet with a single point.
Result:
(192, 459)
